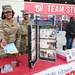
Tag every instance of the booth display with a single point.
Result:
(61, 13)
(41, 41)
(55, 15)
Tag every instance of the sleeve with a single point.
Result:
(20, 23)
(18, 37)
(1, 31)
(68, 29)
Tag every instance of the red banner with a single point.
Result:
(49, 8)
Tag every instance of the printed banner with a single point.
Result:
(67, 69)
(49, 8)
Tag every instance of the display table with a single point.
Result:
(25, 70)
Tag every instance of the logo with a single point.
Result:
(39, 7)
(71, 73)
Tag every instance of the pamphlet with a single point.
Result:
(70, 54)
(10, 48)
(6, 68)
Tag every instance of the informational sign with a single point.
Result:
(48, 42)
(49, 8)
(32, 52)
(70, 54)
(66, 69)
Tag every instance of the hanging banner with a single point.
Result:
(47, 8)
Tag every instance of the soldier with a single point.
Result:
(9, 29)
(24, 31)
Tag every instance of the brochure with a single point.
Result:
(6, 68)
(10, 48)
(70, 54)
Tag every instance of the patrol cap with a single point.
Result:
(6, 8)
(24, 12)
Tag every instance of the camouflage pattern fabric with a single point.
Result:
(24, 38)
(1, 31)
(2, 53)
(11, 32)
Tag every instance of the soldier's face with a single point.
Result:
(25, 16)
(8, 14)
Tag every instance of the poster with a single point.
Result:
(48, 42)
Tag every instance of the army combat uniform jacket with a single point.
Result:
(24, 38)
(10, 32)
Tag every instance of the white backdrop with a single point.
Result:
(17, 6)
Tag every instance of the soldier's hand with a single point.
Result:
(3, 43)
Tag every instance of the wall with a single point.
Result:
(17, 6)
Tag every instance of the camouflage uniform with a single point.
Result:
(2, 53)
(9, 31)
(12, 32)
(24, 38)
